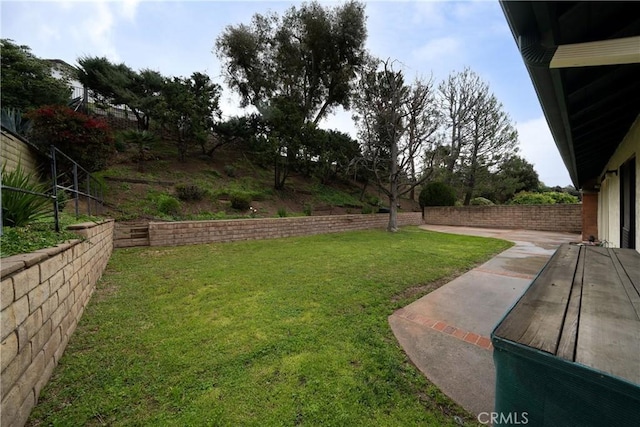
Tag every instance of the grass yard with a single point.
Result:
(264, 333)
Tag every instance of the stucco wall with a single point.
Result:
(195, 232)
(609, 196)
(44, 294)
(13, 151)
(560, 217)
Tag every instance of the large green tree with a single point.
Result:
(118, 84)
(26, 79)
(307, 61)
(187, 109)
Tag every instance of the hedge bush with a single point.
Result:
(548, 198)
(189, 192)
(437, 194)
(168, 205)
(240, 201)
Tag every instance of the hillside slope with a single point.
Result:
(151, 192)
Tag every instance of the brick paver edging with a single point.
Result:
(445, 328)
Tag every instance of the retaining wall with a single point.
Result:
(14, 150)
(559, 217)
(44, 294)
(196, 232)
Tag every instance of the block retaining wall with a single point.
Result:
(196, 232)
(560, 217)
(14, 151)
(44, 294)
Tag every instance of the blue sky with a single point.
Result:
(427, 38)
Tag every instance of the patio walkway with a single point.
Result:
(446, 333)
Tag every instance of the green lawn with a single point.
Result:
(265, 333)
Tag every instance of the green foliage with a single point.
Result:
(481, 201)
(295, 70)
(372, 200)
(86, 140)
(332, 152)
(26, 79)
(335, 197)
(240, 200)
(308, 209)
(120, 146)
(168, 205)
(230, 171)
(39, 235)
(561, 197)
(311, 51)
(437, 194)
(118, 84)
(186, 109)
(514, 175)
(282, 212)
(144, 141)
(13, 120)
(528, 198)
(189, 192)
(548, 198)
(20, 209)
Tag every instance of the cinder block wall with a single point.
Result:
(195, 232)
(44, 294)
(560, 217)
(13, 151)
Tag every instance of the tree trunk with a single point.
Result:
(393, 209)
(393, 193)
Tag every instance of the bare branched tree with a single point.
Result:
(395, 123)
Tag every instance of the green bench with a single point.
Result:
(568, 351)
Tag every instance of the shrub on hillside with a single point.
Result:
(240, 201)
(85, 139)
(168, 205)
(189, 192)
(230, 171)
(437, 194)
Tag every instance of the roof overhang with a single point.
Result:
(584, 61)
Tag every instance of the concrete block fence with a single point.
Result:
(197, 232)
(44, 294)
(559, 217)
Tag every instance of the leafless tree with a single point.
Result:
(395, 122)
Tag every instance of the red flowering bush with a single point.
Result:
(85, 139)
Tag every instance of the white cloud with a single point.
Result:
(431, 14)
(538, 147)
(129, 9)
(437, 49)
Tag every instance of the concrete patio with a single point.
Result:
(446, 333)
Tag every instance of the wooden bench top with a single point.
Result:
(584, 307)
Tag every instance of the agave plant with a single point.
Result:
(21, 208)
(12, 119)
